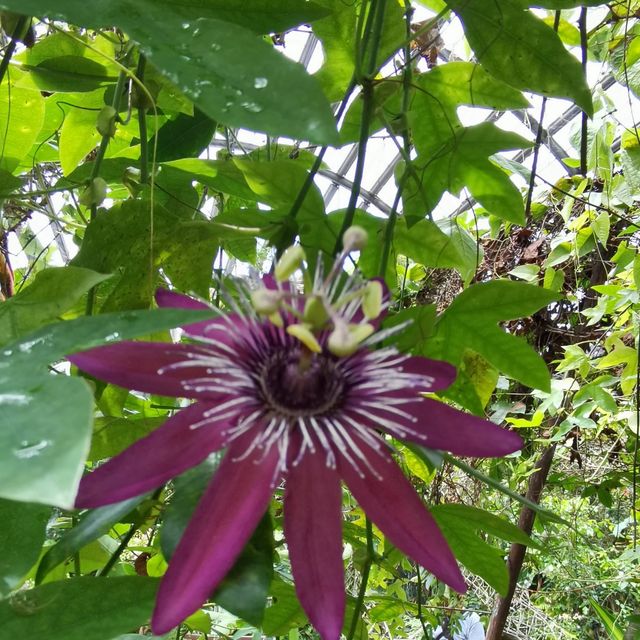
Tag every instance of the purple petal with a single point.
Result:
(221, 329)
(442, 373)
(221, 525)
(390, 501)
(166, 298)
(137, 365)
(312, 526)
(150, 462)
(436, 425)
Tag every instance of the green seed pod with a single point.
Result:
(106, 122)
(94, 194)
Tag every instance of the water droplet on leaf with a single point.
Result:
(253, 107)
(31, 449)
(15, 399)
(260, 83)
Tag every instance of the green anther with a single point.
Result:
(266, 301)
(303, 333)
(315, 312)
(290, 260)
(372, 299)
(345, 339)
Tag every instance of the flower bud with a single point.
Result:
(372, 299)
(345, 339)
(266, 301)
(106, 123)
(290, 260)
(355, 238)
(94, 193)
(305, 335)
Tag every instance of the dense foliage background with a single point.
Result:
(148, 143)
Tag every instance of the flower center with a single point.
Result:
(294, 386)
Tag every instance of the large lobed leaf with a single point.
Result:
(79, 609)
(471, 322)
(519, 48)
(230, 73)
(44, 437)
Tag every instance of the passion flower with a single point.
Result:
(294, 399)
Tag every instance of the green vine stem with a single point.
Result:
(124, 542)
(366, 569)
(407, 82)
(142, 125)
(95, 172)
(376, 16)
(11, 47)
(582, 25)
(104, 142)
(538, 142)
(377, 11)
(304, 190)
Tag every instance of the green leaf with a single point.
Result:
(21, 536)
(476, 555)
(470, 322)
(244, 590)
(492, 482)
(564, 4)
(78, 135)
(285, 611)
(121, 241)
(443, 89)
(473, 518)
(462, 161)
(111, 434)
(614, 631)
(220, 175)
(8, 183)
(278, 183)
(421, 321)
(79, 609)
(337, 33)
(21, 115)
(45, 440)
(601, 225)
(239, 79)
(263, 16)
(52, 292)
(233, 75)
(184, 137)
(439, 244)
(475, 383)
(58, 340)
(553, 279)
(93, 525)
(69, 73)
(522, 50)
